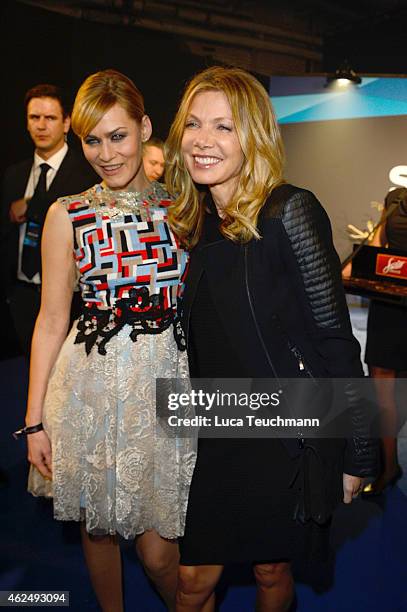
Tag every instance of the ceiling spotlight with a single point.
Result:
(345, 75)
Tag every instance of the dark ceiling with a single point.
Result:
(267, 36)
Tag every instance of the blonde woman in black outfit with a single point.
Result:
(263, 276)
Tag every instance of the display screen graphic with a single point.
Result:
(303, 99)
(346, 144)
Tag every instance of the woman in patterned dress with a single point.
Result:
(99, 454)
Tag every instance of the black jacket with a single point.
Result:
(281, 302)
(74, 175)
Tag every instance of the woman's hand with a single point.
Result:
(39, 453)
(352, 486)
(347, 270)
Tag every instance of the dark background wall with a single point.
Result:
(373, 44)
(346, 163)
(40, 46)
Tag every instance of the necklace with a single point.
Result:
(118, 203)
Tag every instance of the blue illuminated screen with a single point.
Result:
(303, 99)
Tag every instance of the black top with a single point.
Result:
(285, 289)
(216, 358)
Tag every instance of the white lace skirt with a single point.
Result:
(109, 466)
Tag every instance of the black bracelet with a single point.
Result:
(27, 430)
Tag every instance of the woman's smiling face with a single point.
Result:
(113, 148)
(210, 145)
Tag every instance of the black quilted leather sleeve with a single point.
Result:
(308, 229)
(309, 233)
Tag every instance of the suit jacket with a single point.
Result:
(74, 176)
(282, 304)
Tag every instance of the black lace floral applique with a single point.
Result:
(144, 313)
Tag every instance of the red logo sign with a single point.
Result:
(391, 265)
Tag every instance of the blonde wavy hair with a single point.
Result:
(98, 93)
(262, 148)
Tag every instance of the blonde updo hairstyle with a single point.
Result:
(261, 143)
(98, 93)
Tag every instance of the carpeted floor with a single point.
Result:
(37, 553)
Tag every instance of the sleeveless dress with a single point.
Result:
(112, 466)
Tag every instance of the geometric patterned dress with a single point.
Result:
(111, 467)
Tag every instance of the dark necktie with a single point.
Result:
(31, 256)
(41, 187)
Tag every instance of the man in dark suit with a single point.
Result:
(28, 190)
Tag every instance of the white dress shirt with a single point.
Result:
(54, 162)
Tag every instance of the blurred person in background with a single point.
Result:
(386, 344)
(28, 189)
(154, 159)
